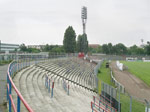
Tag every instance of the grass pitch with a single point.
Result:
(139, 69)
(137, 106)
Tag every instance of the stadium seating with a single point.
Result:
(77, 73)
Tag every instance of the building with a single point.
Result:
(34, 46)
(94, 45)
(4, 47)
(40, 47)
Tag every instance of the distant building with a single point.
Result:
(142, 45)
(40, 47)
(93, 45)
(35, 46)
(4, 47)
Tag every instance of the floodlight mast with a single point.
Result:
(84, 18)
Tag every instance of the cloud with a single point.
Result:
(45, 21)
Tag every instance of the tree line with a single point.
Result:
(121, 49)
(72, 45)
(45, 48)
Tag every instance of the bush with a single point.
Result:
(99, 71)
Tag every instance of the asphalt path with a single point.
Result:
(3, 72)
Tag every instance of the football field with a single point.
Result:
(139, 69)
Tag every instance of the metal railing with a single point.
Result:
(117, 84)
(18, 64)
(12, 69)
(102, 102)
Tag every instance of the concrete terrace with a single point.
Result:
(73, 71)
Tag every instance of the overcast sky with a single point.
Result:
(44, 21)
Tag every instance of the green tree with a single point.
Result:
(140, 51)
(110, 48)
(23, 47)
(105, 49)
(135, 50)
(33, 50)
(46, 48)
(82, 43)
(147, 48)
(92, 50)
(99, 50)
(85, 43)
(58, 49)
(69, 41)
(120, 49)
(132, 50)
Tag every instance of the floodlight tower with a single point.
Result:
(142, 40)
(84, 18)
(0, 46)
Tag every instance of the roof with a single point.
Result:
(94, 45)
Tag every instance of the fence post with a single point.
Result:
(35, 60)
(23, 62)
(20, 65)
(111, 90)
(130, 103)
(94, 99)
(29, 60)
(49, 86)
(99, 104)
(18, 104)
(147, 104)
(92, 106)
(119, 101)
(7, 87)
(45, 80)
(68, 89)
(17, 66)
(9, 97)
(26, 61)
(52, 90)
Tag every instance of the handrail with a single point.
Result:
(11, 84)
(20, 96)
(104, 102)
(13, 104)
(105, 98)
(108, 104)
(105, 110)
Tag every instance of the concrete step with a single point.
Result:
(31, 83)
(87, 80)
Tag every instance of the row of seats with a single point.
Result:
(79, 72)
(31, 83)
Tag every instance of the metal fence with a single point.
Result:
(119, 57)
(97, 67)
(124, 101)
(12, 69)
(117, 84)
(130, 103)
(20, 62)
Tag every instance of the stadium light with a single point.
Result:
(0, 46)
(84, 17)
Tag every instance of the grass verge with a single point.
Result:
(4, 62)
(105, 76)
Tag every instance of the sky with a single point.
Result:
(39, 22)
